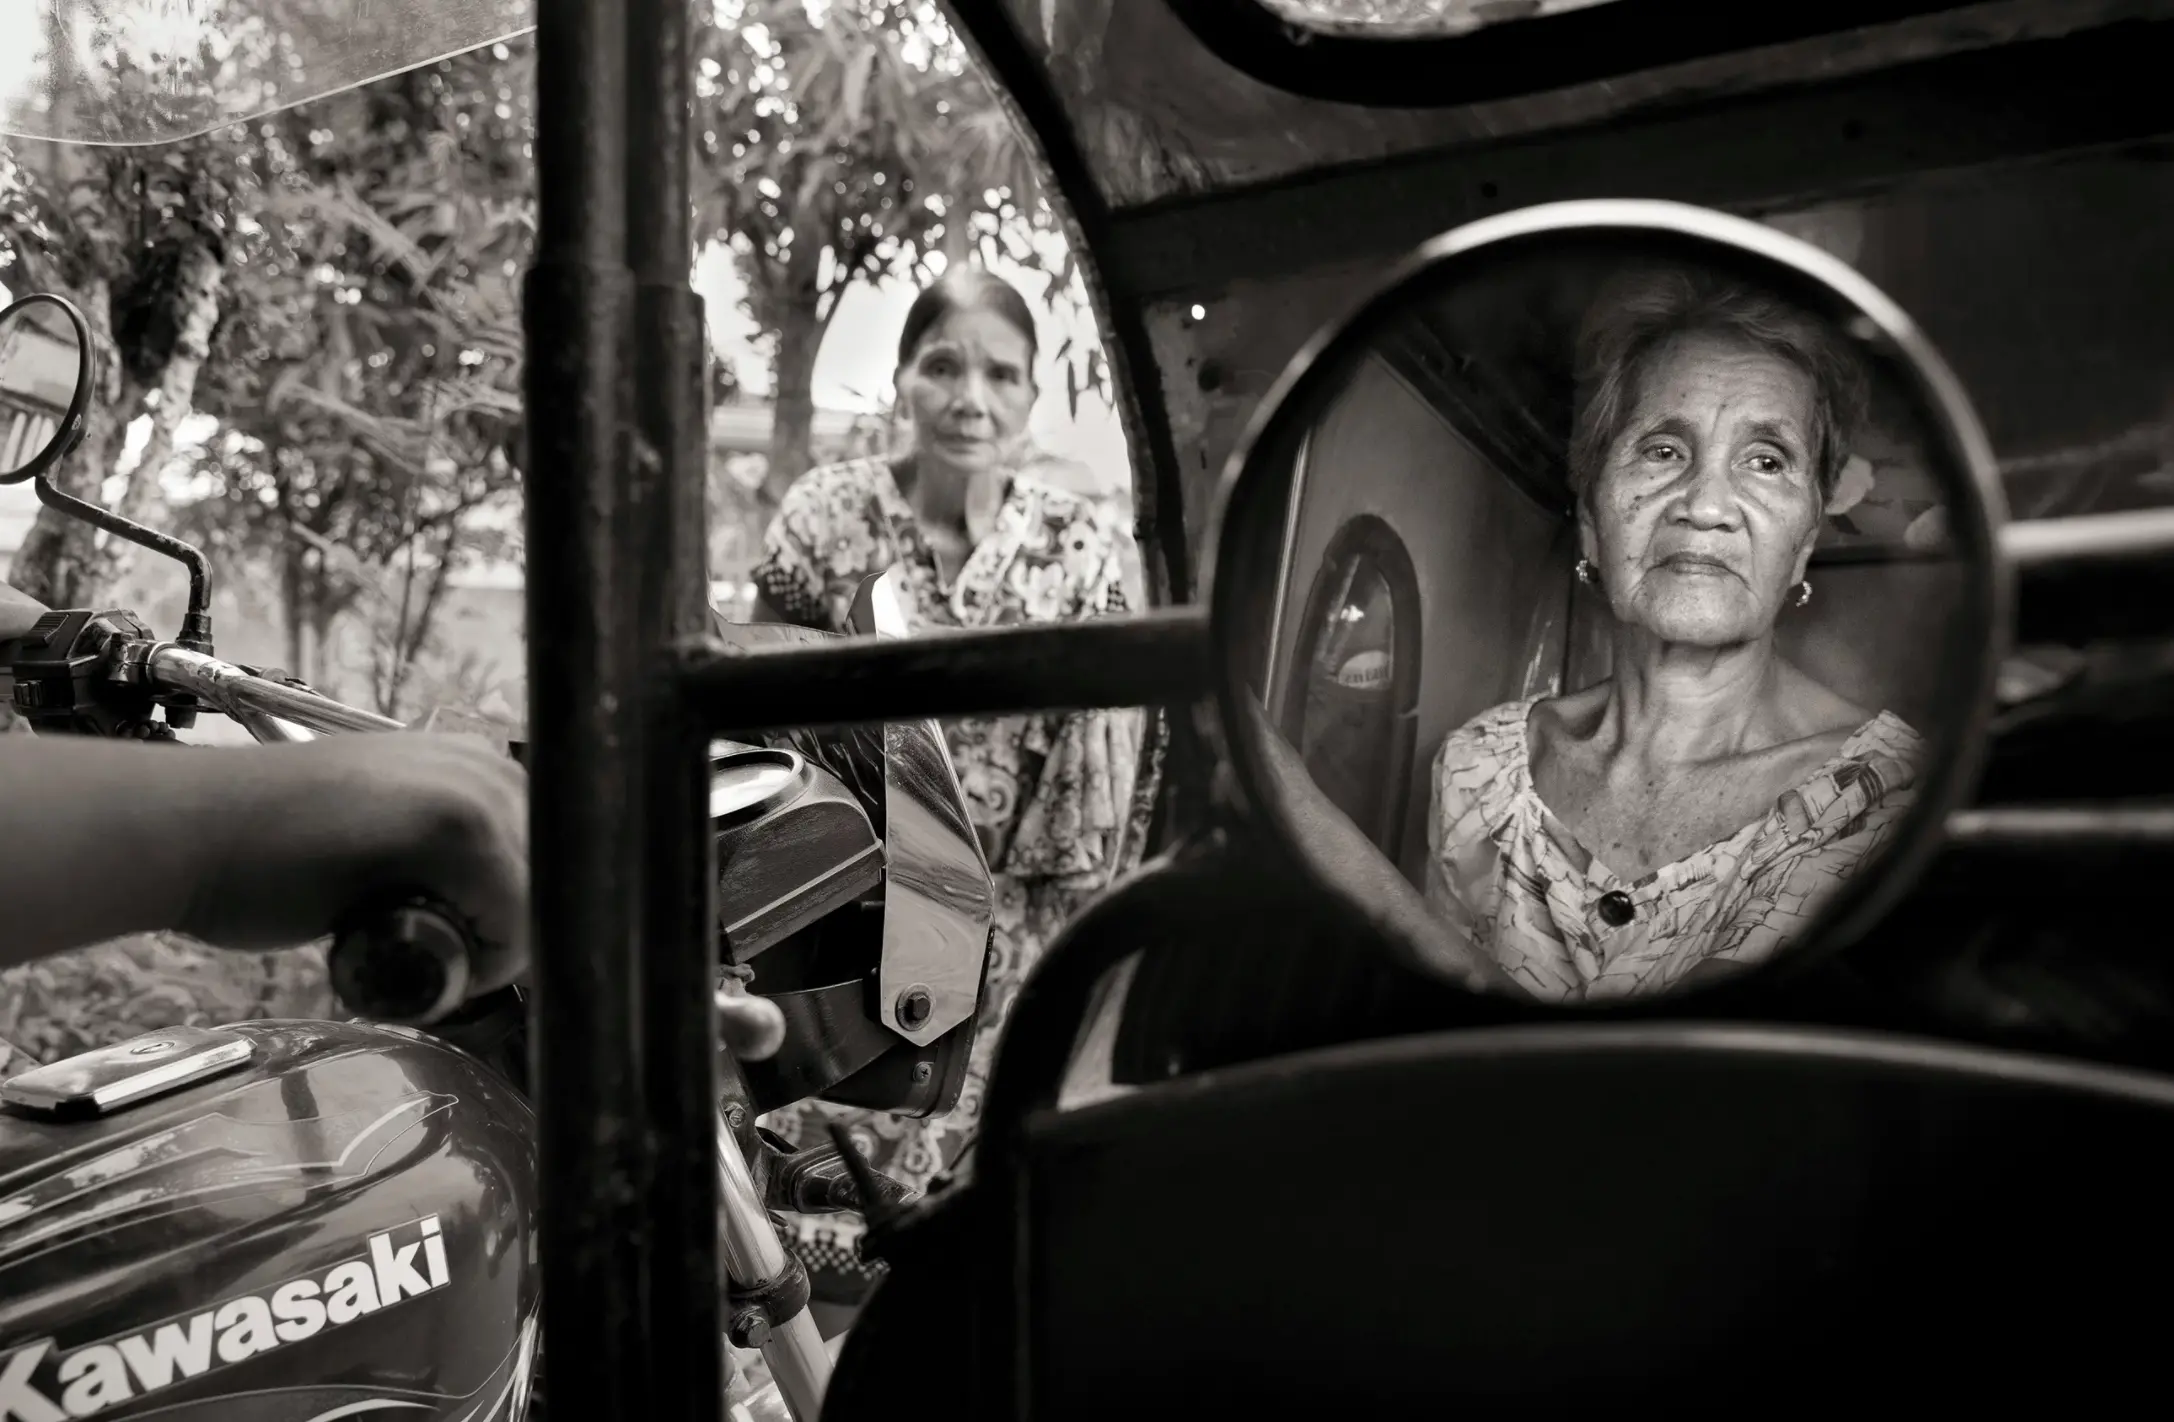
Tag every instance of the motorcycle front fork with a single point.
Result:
(754, 1257)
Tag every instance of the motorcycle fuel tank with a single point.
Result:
(269, 1222)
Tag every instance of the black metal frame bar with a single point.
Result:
(587, 1054)
(1158, 659)
(2106, 575)
(625, 1059)
(666, 583)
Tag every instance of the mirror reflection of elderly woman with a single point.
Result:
(1691, 811)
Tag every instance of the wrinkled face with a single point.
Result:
(1704, 512)
(970, 389)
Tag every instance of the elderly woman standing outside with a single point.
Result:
(1691, 811)
(977, 544)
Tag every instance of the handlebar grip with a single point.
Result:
(406, 964)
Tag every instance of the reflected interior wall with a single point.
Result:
(1491, 564)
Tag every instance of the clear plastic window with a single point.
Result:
(1391, 19)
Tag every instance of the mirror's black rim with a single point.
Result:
(1978, 511)
(76, 420)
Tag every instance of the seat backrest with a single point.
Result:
(1529, 1221)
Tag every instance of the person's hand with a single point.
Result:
(301, 836)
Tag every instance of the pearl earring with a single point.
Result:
(1804, 592)
(1586, 571)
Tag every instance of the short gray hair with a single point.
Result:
(1636, 315)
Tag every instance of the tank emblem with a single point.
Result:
(39, 1385)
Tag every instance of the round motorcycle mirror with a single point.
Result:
(47, 371)
(1612, 605)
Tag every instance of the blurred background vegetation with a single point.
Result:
(310, 336)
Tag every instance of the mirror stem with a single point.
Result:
(196, 621)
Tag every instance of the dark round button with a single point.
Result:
(1616, 908)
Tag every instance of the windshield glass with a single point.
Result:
(1398, 19)
(126, 72)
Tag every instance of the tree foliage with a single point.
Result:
(337, 285)
(369, 396)
(360, 350)
(138, 239)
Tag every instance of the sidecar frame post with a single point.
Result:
(587, 1057)
(664, 601)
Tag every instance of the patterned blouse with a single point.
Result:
(1057, 798)
(1505, 871)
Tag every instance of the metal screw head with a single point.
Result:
(736, 1116)
(915, 1006)
(922, 1071)
(749, 1329)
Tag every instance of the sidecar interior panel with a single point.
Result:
(1535, 1218)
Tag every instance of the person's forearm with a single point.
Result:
(102, 841)
(112, 838)
(19, 612)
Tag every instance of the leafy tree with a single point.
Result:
(371, 402)
(849, 142)
(139, 240)
(360, 349)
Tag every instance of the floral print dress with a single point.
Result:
(1057, 799)
(1566, 928)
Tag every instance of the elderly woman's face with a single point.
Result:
(1707, 505)
(970, 388)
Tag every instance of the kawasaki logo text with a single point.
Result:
(40, 1384)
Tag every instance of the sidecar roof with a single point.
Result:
(1167, 99)
(1159, 106)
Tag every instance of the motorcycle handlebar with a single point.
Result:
(252, 700)
(408, 962)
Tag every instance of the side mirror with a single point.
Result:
(48, 368)
(1609, 610)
